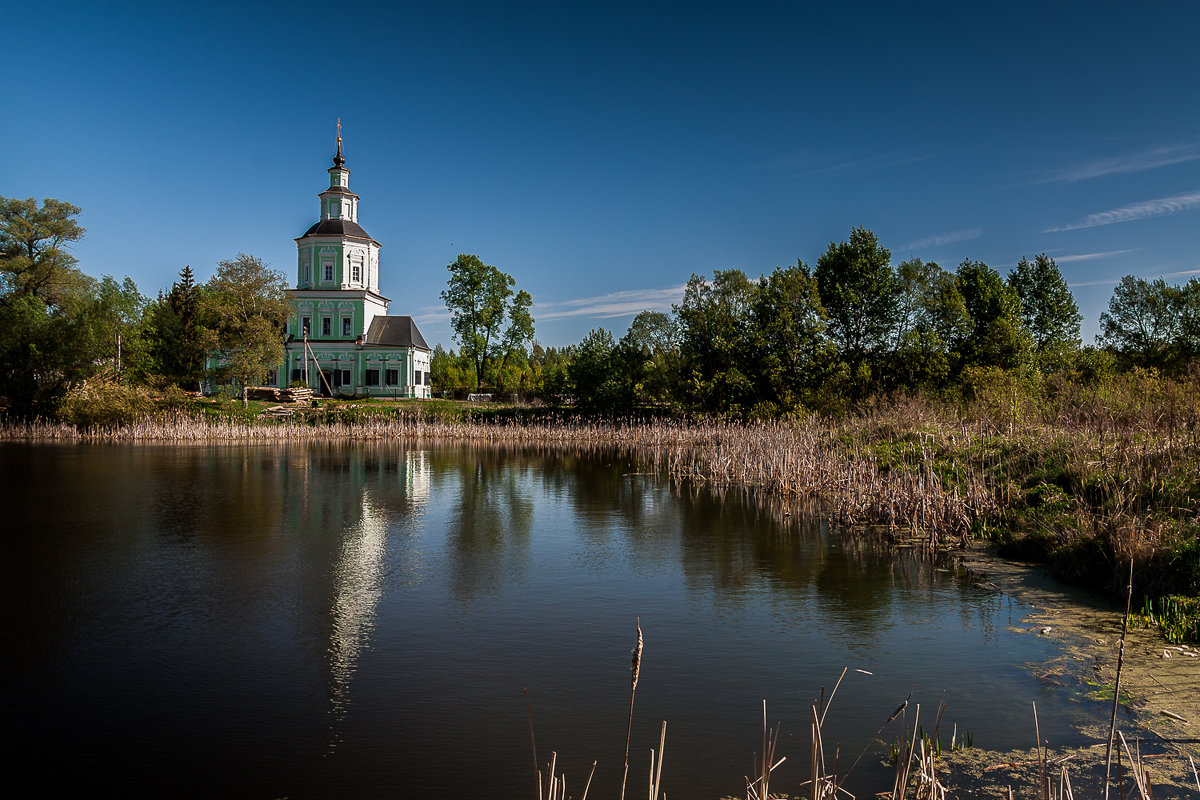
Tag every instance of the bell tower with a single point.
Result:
(337, 265)
(338, 202)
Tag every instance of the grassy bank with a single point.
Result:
(1085, 481)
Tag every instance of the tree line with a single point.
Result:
(822, 338)
(827, 337)
(61, 328)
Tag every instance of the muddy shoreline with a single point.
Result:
(1159, 712)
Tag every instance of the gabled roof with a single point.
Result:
(394, 332)
(338, 227)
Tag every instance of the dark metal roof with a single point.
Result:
(338, 190)
(395, 332)
(339, 159)
(338, 227)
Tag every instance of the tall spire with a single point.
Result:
(339, 160)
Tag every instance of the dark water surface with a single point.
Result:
(320, 621)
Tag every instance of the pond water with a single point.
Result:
(362, 621)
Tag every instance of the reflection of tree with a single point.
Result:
(851, 589)
(607, 492)
(721, 543)
(740, 542)
(490, 527)
(736, 543)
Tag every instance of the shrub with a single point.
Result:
(101, 402)
(1003, 398)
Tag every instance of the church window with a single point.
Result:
(328, 272)
(305, 326)
(326, 326)
(304, 274)
(272, 377)
(345, 326)
(356, 273)
(393, 377)
(372, 377)
(345, 377)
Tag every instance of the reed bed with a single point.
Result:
(808, 459)
(1099, 486)
(798, 459)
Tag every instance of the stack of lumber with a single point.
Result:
(281, 395)
(296, 395)
(277, 411)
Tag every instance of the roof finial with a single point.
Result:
(339, 160)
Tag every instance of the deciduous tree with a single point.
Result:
(246, 309)
(714, 341)
(931, 321)
(116, 324)
(1048, 309)
(45, 306)
(649, 358)
(488, 321)
(792, 352)
(858, 291)
(34, 261)
(1143, 322)
(450, 372)
(593, 374)
(519, 331)
(997, 337)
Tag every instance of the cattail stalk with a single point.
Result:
(533, 743)
(635, 669)
(1112, 727)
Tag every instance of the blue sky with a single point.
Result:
(602, 153)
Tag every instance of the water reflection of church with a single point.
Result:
(354, 506)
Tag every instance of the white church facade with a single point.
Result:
(340, 339)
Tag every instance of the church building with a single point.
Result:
(340, 338)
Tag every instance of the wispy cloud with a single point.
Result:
(1115, 281)
(431, 316)
(1150, 208)
(605, 306)
(1093, 256)
(939, 239)
(1124, 165)
(614, 304)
